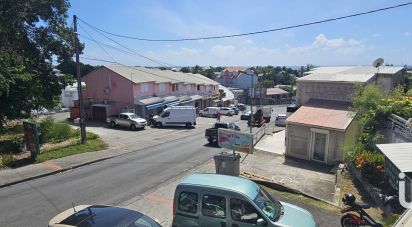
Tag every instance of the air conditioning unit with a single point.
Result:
(105, 101)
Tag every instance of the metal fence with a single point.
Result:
(400, 126)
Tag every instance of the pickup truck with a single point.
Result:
(211, 133)
(129, 120)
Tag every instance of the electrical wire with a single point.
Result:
(251, 33)
(165, 64)
(101, 46)
(104, 44)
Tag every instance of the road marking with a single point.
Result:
(51, 165)
(159, 199)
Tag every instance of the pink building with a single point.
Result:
(114, 89)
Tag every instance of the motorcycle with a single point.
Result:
(361, 218)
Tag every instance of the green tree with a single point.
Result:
(185, 70)
(33, 35)
(69, 68)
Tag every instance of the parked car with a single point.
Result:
(129, 120)
(98, 215)
(245, 115)
(227, 111)
(280, 120)
(241, 107)
(176, 116)
(211, 133)
(221, 200)
(235, 109)
(209, 112)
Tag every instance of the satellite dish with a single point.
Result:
(378, 62)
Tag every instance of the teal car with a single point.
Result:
(228, 201)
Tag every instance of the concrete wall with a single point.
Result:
(119, 96)
(388, 81)
(307, 90)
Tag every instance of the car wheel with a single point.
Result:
(133, 127)
(112, 124)
(159, 124)
(229, 114)
(210, 141)
(201, 115)
(188, 125)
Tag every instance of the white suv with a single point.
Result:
(227, 111)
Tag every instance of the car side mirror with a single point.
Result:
(261, 222)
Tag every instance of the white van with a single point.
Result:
(176, 116)
(209, 112)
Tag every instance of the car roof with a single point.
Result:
(102, 216)
(230, 183)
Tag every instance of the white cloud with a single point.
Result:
(189, 51)
(222, 50)
(323, 45)
(375, 35)
(247, 41)
(406, 34)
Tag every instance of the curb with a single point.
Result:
(84, 164)
(290, 190)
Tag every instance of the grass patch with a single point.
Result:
(90, 146)
(390, 220)
(303, 199)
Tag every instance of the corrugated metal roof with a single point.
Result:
(275, 91)
(142, 75)
(324, 114)
(348, 73)
(400, 155)
(362, 78)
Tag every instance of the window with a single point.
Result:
(214, 206)
(144, 87)
(198, 87)
(243, 211)
(188, 202)
(165, 114)
(162, 87)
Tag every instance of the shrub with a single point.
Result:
(52, 131)
(6, 160)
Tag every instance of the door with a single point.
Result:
(99, 113)
(213, 210)
(243, 213)
(319, 146)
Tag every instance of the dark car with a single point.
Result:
(211, 133)
(98, 215)
(245, 115)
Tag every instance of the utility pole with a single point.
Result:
(79, 83)
(252, 95)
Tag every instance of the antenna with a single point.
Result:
(74, 209)
(377, 63)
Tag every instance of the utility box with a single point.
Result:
(227, 163)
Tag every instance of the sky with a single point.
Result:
(354, 41)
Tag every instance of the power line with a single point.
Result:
(165, 64)
(107, 45)
(97, 42)
(251, 33)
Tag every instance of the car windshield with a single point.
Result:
(134, 116)
(270, 207)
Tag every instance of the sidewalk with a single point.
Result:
(273, 143)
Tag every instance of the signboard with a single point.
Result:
(31, 138)
(235, 140)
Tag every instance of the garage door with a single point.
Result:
(99, 113)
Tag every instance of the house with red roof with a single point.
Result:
(237, 77)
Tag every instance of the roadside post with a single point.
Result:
(31, 139)
(229, 163)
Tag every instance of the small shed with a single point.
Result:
(319, 130)
(398, 159)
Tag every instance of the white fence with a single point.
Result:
(266, 128)
(401, 126)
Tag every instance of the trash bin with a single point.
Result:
(227, 163)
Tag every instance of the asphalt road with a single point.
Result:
(113, 181)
